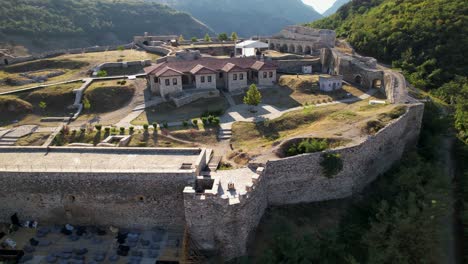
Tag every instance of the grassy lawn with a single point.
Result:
(24, 108)
(168, 112)
(300, 90)
(75, 66)
(35, 139)
(340, 120)
(130, 70)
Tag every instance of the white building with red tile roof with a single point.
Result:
(231, 74)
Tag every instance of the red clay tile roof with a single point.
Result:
(200, 69)
(168, 72)
(260, 65)
(210, 63)
(230, 67)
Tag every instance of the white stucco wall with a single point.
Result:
(205, 85)
(233, 85)
(268, 81)
(171, 88)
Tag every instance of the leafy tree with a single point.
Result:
(234, 36)
(253, 96)
(102, 73)
(223, 37)
(120, 48)
(86, 104)
(42, 105)
(194, 39)
(207, 38)
(181, 38)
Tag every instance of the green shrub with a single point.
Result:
(216, 121)
(122, 130)
(155, 126)
(83, 130)
(307, 146)
(372, 127)
(145, 127)
(107, 129)
(195, 122)
(331, 164)
(165, 125)
(205, 120)
(185, 123)
(98, 127)
(131, 129)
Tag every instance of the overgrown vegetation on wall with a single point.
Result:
(395, 221)
(309, 145)
(331, 164)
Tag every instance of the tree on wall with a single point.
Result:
(102, 73)
(253, 96)
(207, 38)
(194, 39)
(222, 37)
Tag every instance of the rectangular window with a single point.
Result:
(209, 79)
(234, 76)
(271, 74)
(155, 79)
(264, 75)
(174, 81)
(241, 76)
(220, 75)
(168, 82)
(203, 79)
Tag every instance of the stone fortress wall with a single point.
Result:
(84, 194)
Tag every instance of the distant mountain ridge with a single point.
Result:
(53, 24)
(246, 17)
(332, 10)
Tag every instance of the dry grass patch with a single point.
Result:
(152, 140)
(35, 139)
(107, 96)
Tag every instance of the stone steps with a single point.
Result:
(214, 163)
(224, 134)
(7, 143)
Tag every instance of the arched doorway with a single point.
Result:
(272, 46)
(292, 49)
(5, 61)
(146, 43)
(284, 48)
(358, 79)
(377, 84)
(307, 50)
(278, 47)
(299, 49)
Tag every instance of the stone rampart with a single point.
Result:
(213, 223)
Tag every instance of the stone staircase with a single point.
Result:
(225, 134)
(5, 141)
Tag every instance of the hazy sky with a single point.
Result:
(320, 5)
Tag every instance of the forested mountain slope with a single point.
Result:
(49, 24)
(246, 17)
(427, 39)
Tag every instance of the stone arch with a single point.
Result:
(284, 48)
(358, 79)
(376, 84)
(278, 47)
(308, 50)
(146, 43)
(291, 48)
(299, 49)
(6, 61)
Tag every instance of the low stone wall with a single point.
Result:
(156, 49)
(299, 179)
(57, 53)
(295, 66)
(187, 98)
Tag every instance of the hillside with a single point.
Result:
(426, 39)
(332, 10)
(51, 24)
(246, 17)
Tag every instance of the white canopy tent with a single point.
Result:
(248, 47)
